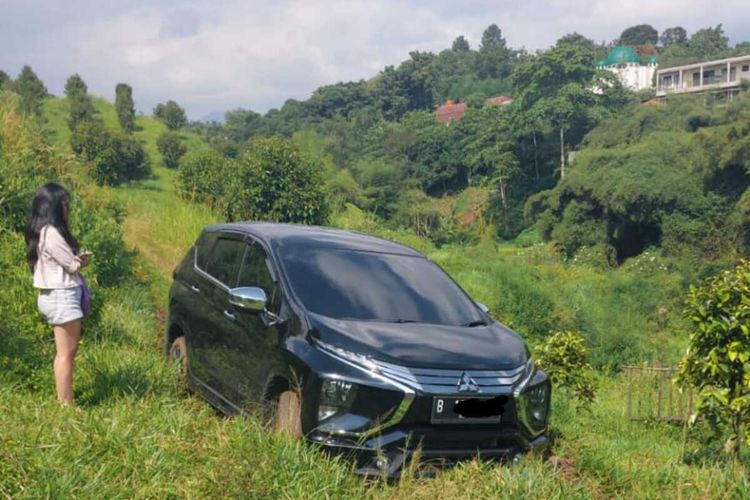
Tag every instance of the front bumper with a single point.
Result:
(387, 454)
(408, 430)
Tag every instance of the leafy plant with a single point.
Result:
(563, 357)
(717, 361)
(171, 148)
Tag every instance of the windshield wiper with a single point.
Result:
(399, 320)
(476, 322)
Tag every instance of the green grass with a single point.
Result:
(138, 435)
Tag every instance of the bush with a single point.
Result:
(114, 157)
(171, 148)
(717, 361)
(563, 356)
(202, 177)
(274, 181)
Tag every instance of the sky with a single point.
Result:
(213, 56)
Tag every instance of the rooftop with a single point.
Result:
(279, 235)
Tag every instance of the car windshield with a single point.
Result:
(346, 284)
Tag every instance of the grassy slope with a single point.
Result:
(138, 435)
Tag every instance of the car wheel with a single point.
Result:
(178, 354)
(288, 417)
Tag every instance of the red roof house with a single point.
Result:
(450, 111)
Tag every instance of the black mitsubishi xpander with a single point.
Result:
(358, 344)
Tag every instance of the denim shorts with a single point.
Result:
(60, 305)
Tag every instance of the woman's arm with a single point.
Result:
(58, 249)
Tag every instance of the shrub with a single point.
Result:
(717, 361)
(563, 356)
(171, 148)
(274, 181)
(114, 157)
(202, 177)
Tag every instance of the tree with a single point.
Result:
(274, 181)
(708, 42)
(494, 59)
(125, 107)
(81, 107)
(491, 151)
(31, 91)
(555, 85)
(640, 34)
(671, 36)
(242, 124)
(460, 44)
(5, 80)
(171, 149)
(171, 114)
(717, 361)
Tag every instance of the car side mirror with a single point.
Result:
(250, 298)
(484, 308)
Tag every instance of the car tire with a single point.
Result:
(288, 416)
(178, 354)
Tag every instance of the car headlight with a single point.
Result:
(534, 403)
(335, 396)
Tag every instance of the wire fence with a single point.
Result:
(652, 395)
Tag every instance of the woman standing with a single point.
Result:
(54, 258)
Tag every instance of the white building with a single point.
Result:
(721, 74)
(629, 68)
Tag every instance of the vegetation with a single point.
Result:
(171, 148)
(81, 107)
(563, 357)
(31, 92)
(718, 358)
(272, 180)
(114, 157)
(606, 211)
(125, 107)
(172, 114)
(655, 178)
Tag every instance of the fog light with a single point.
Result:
(335, 395)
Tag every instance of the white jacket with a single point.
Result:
(57, 266)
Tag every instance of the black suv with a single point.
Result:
(358, 344)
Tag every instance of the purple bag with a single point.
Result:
(85, 297)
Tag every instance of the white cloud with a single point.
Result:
(224, 54)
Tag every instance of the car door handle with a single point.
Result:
(229, 315)
(195, 289)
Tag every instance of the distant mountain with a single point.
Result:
(214, 116)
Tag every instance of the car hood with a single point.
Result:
(418, 345)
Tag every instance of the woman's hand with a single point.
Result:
(85, 258)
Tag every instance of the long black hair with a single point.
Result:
(49, 207)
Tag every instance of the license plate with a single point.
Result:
(485, 410)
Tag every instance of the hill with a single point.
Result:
(148, 129)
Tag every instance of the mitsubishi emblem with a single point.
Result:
(467, 384)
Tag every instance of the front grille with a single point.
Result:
(436, 381)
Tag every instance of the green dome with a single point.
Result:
(621, 55)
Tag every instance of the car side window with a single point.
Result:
(203, 249)
(224, 260)
(254, 272)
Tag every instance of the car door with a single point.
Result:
(219, 275)
(193, 303)
(255, 347)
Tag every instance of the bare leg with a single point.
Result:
(67, 337)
